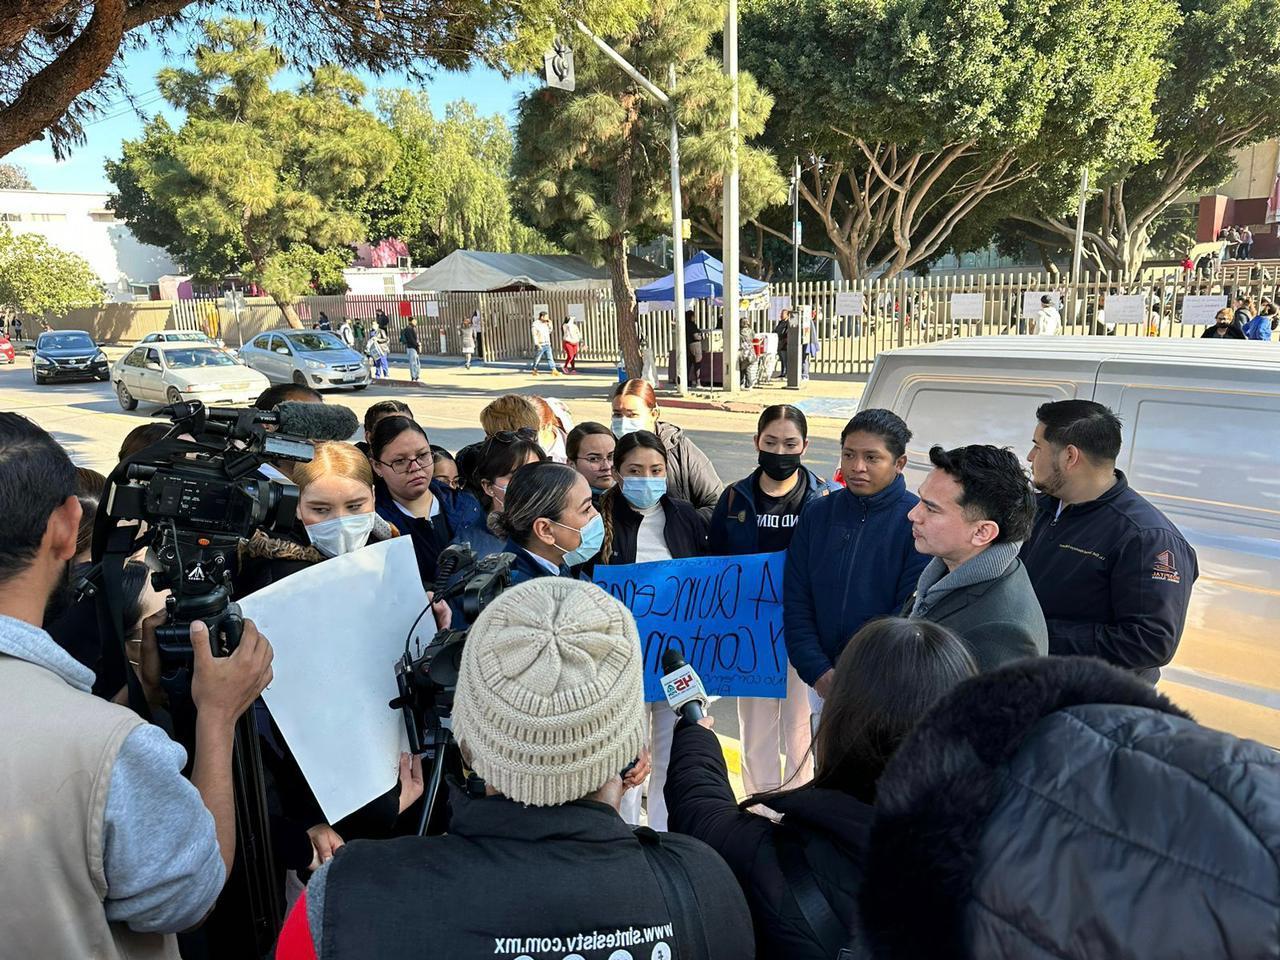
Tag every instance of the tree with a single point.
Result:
(592, 167)
(450, 188)
(37, 278)
(254, 176)
(13, 177)
(908, 116)
(64, 59)
(1218, 92)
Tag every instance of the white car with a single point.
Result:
(180, 336)
(173, 372)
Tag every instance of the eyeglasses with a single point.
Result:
(405, 464)
(595, 459)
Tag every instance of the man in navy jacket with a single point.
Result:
(1113, 575)
(852, 557)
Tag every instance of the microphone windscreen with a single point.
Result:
(672, 660)
(317, 421)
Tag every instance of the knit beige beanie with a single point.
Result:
(550, 700)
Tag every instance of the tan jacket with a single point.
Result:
(56, 755)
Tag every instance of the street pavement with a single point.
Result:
(87, 420)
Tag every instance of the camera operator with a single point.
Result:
(108, 850)
(549, 711)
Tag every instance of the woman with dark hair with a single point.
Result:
(376, 413)
(757, 514)
(445, 468)
(690, 473)
(643, 523)
(408, 499)
(548, 521)
(590, 452)
(887, 678)
(496, 462)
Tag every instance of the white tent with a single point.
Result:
(475, 270)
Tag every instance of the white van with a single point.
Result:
(1201, 442)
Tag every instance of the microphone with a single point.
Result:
(316, 421)
(684, 690)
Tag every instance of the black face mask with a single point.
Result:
(779, 466)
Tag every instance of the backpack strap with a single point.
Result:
(678, 893)
(814, 906)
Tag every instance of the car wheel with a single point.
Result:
(172, 395)
(35, 375)
(127, 402)
(363, 386)
(299, 379)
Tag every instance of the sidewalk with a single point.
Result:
(831, 397)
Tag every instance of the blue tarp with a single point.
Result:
(703, 278)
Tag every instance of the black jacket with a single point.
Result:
(409, 337)
(510, 880)
(832, 826)
(734, 529)
(1060, 808)
(690, 475)
(429, 536)
(685, 531)
(1113, 577)
(1232, 332)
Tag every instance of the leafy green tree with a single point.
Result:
(13, 177)
(592, 167)
(254, 175)
(64, 60)
(450, 188)
(909, 116)
(37, 278)
(1218, 92)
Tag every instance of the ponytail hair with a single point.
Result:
(537, 490)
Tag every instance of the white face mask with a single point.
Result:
(341, 535)
(624, 425)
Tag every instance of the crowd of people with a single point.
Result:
(969, 759)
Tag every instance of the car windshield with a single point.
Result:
(316, 342)
(198, 357)
(66, 341)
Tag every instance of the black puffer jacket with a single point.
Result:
(690, 475)
(1060, 809)
(831, 825)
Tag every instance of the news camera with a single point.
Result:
(427, 679)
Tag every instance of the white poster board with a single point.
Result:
(1125, 308)
(433, 308)
(579, 312)
(337, 630)
(1031, 301)
(1201, 310)
(969, 306)
(849, 304)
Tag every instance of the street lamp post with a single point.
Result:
(729, 372)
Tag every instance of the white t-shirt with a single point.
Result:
(651, 540)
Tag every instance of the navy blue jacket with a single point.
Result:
(428, 538)
(733, 524)
(1113, 577)
(527, 566)
(851, 559)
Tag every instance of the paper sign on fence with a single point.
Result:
(723, 613)
(337, 629)
(433, 308)
(849, 304)
(1201, 310)
(1120, 308)
(969, 306)
(1031, 301)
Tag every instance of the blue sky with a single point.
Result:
(487, 89)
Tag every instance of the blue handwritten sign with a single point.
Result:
(724, 614)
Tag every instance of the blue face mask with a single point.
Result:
(624, 425)
(643, 492)
(592, 538)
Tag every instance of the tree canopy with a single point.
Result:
(255, 180)
(64, 59)
(909, 115)
(13, 177)
(37, 278)
(592, 167)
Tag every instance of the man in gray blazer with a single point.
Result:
(976, 507)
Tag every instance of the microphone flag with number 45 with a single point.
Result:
(724, 615)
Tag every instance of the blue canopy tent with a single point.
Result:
(703, 278)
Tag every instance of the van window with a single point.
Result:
(959, 412)
(1205, 447)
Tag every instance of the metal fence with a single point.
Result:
(854, 320)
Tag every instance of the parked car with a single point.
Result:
(1201, 441)
(68, 355)
(172, 372)
(7, 353)
(178, 336)
(312, 358)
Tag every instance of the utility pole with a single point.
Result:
(792, 358)
(1077, 303)
(731, 229)
(677, 222)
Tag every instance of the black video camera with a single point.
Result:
(198, 499)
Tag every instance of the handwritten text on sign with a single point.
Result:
(724, 614)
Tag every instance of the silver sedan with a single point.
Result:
(311, 358)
